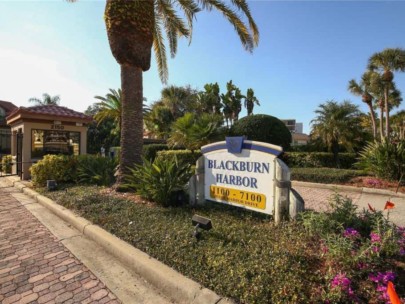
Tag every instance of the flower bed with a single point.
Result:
(337, 257)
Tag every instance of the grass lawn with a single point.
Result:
(245, 256)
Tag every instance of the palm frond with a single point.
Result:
(190, 9)
(242, 5)
(160, 50)
(243, 33)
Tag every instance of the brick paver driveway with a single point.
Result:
(35, 267)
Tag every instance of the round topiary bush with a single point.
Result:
(263, 128)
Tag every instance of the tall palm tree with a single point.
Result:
(46, 100)
(362, 89)
(387, 62)
(133, 28)
(250, 101)
(336, 124)
(232, 102)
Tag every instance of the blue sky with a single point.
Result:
(308, 52)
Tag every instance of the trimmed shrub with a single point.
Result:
(263, 128)
(60, 168)
(318, 160)
(324, 175)
(150, 151)
(182, 156)
(385, 159)
(6, 164)
(96, 170)
(160, 181)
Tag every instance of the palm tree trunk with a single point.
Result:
(131, 120)
(373, 120)
(387, 114)
(381, 124)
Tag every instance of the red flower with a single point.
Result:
(371, 208)
(389, 205)
(392, 293)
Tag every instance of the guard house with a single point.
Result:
(46, 129)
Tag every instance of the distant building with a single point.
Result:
(6, 108)
(296, 129)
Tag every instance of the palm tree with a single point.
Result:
(46, 100)
(133, 28)
(159, 120)
(362, 89)
(250, 101)
(387, 62)
(232, 102)
(110, 108)
(178, 99)
(336, 124)
(193, 131)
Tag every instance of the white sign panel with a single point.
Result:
(241, 173)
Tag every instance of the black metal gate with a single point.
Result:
(19, 154)
(7, 162)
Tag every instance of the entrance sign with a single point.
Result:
(241, 173)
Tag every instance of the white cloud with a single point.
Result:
(25, 75)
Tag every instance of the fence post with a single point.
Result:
(196, 183)
(282, 191)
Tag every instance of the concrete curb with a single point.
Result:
(172, 284)
(348, 189)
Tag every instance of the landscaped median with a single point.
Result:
(246, 257)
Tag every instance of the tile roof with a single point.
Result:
(7, 106)
(51, 110)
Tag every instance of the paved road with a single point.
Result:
(317, 199)
(35, 267)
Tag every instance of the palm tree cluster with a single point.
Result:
(378, 90)
(176, 102)
(46, 100)
(337, 124)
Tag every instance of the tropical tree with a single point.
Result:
(193, 131)
(209, 100)
(159, 120)
(387, 62)
(133, 28)
(99, 134)
(232, 102)
(179, 99)
(46, 100)
(398, 125)
(362, 89)
(250, 101)
(337, 124)
(110, 108)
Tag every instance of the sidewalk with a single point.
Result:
(37, 266)
(316, 198)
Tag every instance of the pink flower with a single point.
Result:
(375, 237)
(351, 233)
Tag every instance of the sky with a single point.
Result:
(308, 51)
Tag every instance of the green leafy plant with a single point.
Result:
(181, 156)
(160, 180)
(384, 159)
(61, 168)
(96, 170)
(6, 163)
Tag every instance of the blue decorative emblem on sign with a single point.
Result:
(234, 144)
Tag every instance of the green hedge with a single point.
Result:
(183, 156)
(89, 169)
(324, 175)
(318, 160)
(150, 151)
